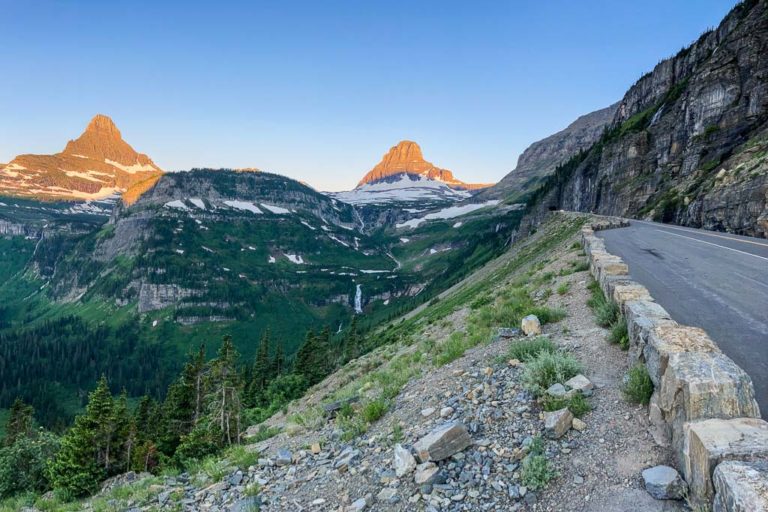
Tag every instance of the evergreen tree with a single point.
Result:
(124, 434)
(313, 357)
(84, 458)
(20, 422)
(278, 362)
(224, 396)
(184, 404)
(260, 372)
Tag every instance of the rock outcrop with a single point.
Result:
(689, 141)
(96, 165)
(406, 158)
(541, 158)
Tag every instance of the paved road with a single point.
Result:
(712, 280)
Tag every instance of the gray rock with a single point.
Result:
(358, 505)
(427, 473)
(442, 442)
(387, 495)
(557, 423)
(334, 407)
(581, 384)
(405, 463)
(741, 486)
(247, 504)
(284, 457)
(346, 458)
(557, 390)
(664, 483)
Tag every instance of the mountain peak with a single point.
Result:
(406, 158)
(96, 165)
(104, 125)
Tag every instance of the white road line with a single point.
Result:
(710, 243)
(701, 232)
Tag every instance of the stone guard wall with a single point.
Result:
(703, 406)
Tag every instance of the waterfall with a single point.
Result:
(359, 299)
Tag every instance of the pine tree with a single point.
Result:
(224, 398)
(278, 362)
(84, 458)
(20, 422)
(313, 357)
(184, 404)
(260, 372)
(124, 434)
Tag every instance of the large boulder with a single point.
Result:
(664, 483)
(671, 339)
(643, 316)
(699, 385)
(442, 442)
(741, 486)
(707, 443)
(531, 325)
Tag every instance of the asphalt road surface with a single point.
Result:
(707, 279)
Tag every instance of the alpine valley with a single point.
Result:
(114, 271)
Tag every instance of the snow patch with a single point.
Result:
(243, 205)
(276, 209)
(197, 202)
(294, 258)
(177, 203)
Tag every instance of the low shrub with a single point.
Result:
(536, 472)
(638, 386)
(374, 410)
(528, 349)
(450, 350)
(581, 266)
(563, 288)
(547, 369)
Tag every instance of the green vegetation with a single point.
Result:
(638, 386)
(547, 369)
(577, 404)
(526, 350)
(606, 312)
(619, 334)
(536, 472)
(563, 288)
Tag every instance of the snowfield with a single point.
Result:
(446, 213)
(406, 188)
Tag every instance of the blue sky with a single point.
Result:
(319, 90)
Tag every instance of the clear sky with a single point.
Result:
(319, 90)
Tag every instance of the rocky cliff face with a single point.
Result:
(406, 158)
(96, 165)
(689, 141)
(541, 158)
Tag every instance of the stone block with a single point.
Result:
(710, 442)
(741, 486)
(665, 340)
(557, 423)
(643, 316)
(699, 385)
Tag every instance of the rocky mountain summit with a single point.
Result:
(404, 176)
(406, 158)
(96, 165)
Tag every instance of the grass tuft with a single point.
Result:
(638, 386)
